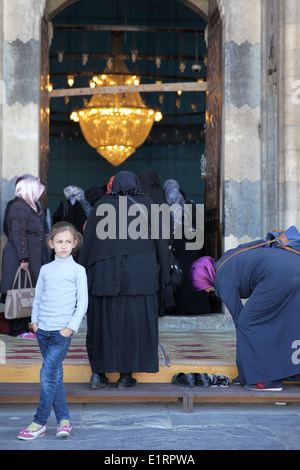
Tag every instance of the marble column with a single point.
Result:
(290, 114)
(241, 121)
(19, 93)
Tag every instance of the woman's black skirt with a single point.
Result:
(122, 334)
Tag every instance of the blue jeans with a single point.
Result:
(54, 348)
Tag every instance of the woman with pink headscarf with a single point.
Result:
(268, 324)
(25, 241)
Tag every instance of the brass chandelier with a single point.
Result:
(115, 123)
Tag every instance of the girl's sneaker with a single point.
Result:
(32, 431)
(64, 428)
(27, 335)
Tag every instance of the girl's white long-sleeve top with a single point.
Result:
(61, 295)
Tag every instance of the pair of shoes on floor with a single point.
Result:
(218, 380)
(99, 381)
(201, 380)
(272, 386)
(185, 380)
(35, 430)
(126, 383)
(191, 379)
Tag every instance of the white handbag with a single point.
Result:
(19, 301)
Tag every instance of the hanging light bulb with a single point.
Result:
(182, 66)
(85, 58)
(157, 116)
(135, 80)
(109, 63)
(92, 84)
(196, 67)
(158, 61)
(50, 87)
(134, 55)
(70, 80)
(60, 56)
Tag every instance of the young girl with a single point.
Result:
(61, 299)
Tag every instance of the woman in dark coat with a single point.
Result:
(25, 242)
(74, 209)
(268, 325)
(125, 276)
(151, 186)
(188, 301)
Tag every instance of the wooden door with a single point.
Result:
(44, 107)
(213, 222)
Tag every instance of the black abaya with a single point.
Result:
(124, 278)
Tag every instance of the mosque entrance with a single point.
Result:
(64, 145)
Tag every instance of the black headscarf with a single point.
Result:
(151, 186)
(125, 183)
(94, 193)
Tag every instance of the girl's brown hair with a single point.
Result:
(62, 227)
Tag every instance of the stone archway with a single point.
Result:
(200, 7)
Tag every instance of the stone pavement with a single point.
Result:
(156, 427)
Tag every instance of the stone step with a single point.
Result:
(82, 392)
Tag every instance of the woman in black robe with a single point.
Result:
(188, 301)
(125, 276)
(151, 186)
(268, 325)
(75, 208)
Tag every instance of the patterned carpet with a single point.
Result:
(207, 347)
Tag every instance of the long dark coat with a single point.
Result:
(125, 276)
(25, 241)
(268, 324)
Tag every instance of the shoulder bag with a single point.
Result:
(19, 301)
(288, 239)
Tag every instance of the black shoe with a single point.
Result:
(186, 380)
(99, 381)
(222, 380)
(237, 381)
(125, 383)
(201, 380)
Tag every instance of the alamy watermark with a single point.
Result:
(296, 354)
(135, 222)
